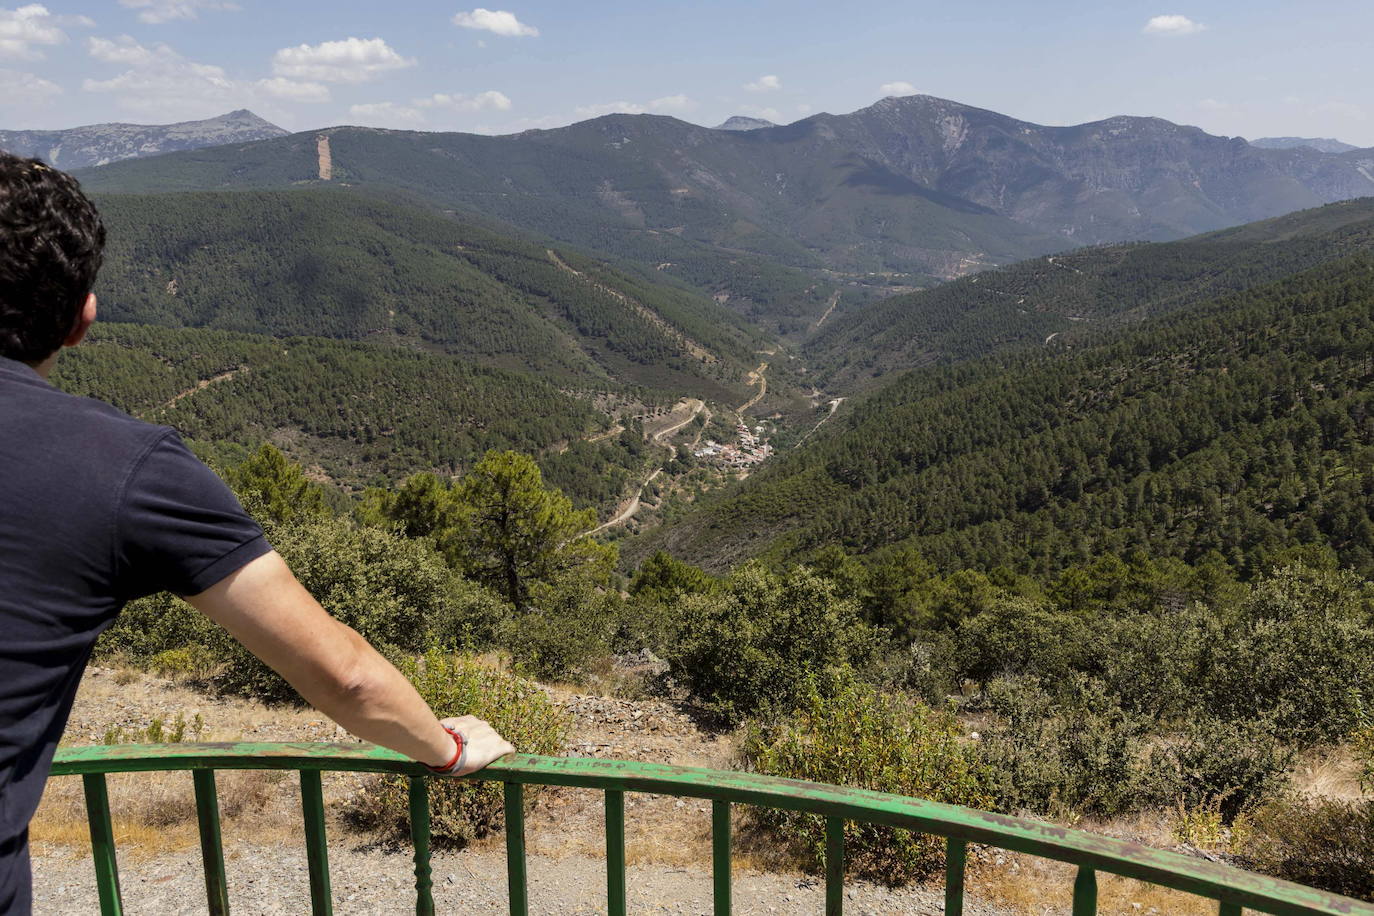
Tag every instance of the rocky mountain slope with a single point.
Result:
(99, 144)
(905, 190)
(1320, 144)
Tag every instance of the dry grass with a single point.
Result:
(1332, 773)
(1034, 886)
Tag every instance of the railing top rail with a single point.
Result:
(1027, 835)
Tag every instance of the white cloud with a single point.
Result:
(673, 103)
(387, 114)
(764, 84)
(804, 108)
(417, 112)
(498, 22)
(28, 88)
(1172, 25)
(22, 29)
(279, 87)
(900, 87)
(482, 101)
(605, 108)
(161, 82)
(353, 60)
(157, 12)
(1212, 105)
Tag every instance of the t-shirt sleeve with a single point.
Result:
(179, 527)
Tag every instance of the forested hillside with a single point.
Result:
(1243, 427)
(339, 264)
(1065, 298)
(354, 412)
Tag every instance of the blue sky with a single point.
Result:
(1250, 68)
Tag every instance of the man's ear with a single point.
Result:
(83, 322)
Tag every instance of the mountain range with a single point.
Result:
(902, 193)
(99, 144)
(1320, 144)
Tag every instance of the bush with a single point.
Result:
(462, 810)
(760, 643)
(397, 593)
(1299, 654)
(1324, 843)
(568, 626)
(1227, 766)
(1077, 753)
(868, 740)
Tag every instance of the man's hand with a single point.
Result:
(481, 741)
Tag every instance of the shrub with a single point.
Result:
(760, 643)
(1077, 753)
(1323, 843)
(390, 589)
(1228, 766)
(1299, 653)
(868, 740)
(568, 626)
(462, 810)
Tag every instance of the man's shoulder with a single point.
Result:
(42, 412)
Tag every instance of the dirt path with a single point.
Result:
(1051, 337)
(834, 301)
(759, 378)
(326, 159)
(631, 505)
(203, 384)
(834, 406)
(696, 350)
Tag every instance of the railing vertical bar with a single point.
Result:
(102, 843)
(211, 842)
(615, 853)
(316, 848)
(956, 859)
(834, 866)
(515, 850)
(720, 856)
(419, 835)
(1230, 909)
(1085, 892)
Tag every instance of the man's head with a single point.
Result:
(51, 243)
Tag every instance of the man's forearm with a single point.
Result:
(375, 702)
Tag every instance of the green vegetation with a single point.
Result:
(876, 741)
(1069, 299)
(461, 810)
(345, 265)
(1237, 430)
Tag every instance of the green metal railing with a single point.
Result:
(1232, 888)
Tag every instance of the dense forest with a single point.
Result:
(1242, 428)
(339, 264)
(357, 413)
(1066, 298)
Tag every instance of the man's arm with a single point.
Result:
(334, 669)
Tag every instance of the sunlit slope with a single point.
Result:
(339, 264)
(1243, 425)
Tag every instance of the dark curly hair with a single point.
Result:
(51, 244)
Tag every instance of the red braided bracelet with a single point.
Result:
(460, 752)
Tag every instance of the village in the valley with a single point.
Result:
(751, 449)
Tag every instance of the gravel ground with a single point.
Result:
(370, 882)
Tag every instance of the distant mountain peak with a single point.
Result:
(100, 144)
(743, 122)
(1320, 144)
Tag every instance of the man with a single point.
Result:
(97, 509)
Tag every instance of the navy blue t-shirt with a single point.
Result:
(96, 509)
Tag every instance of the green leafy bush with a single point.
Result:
(464, 810)
(1227, 766)
(1077, 752)
(764, 639)
(1323, 843)
(868, 740)
(398, 593)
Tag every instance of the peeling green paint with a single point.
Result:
(1232, 886)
